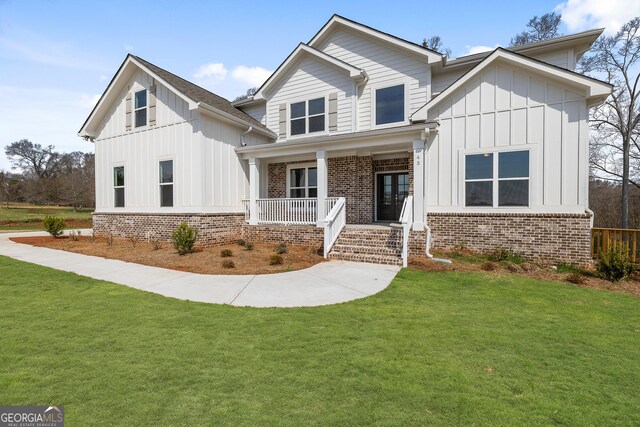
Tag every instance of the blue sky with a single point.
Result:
(56, 57)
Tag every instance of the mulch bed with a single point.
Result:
(533, 270)
(202, 260)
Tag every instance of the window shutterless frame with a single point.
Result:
(140, 108)
(166, 183)
(118, 187)
(302, 180)
(390, 104)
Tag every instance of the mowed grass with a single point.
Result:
(22, 216)
(432, 349)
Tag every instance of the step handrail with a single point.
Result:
(334, 223)
(406, 219)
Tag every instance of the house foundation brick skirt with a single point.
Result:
(309, 235)
(213, 229)
(547, 238)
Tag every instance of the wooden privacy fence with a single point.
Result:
(604, 238)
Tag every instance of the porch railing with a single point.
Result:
(291, 211)
(604, 238)
(406, 218)
(335, 221)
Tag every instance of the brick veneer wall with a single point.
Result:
(351, 177)
(213, 229)
(544, 237)
(293, 234)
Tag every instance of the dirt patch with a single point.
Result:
(470, 262)
(203, 260)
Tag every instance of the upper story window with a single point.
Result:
(166, 183)
(497, 179)
(118, 186)
(389, 105)
(307, 116)
(140, 108)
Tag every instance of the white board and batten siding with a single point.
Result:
(385, 67)
(312, 78)
(507, 108)
(208, 176)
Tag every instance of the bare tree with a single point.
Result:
(33, 158)
(615, 148)
(250, 92)
(539, 28)
(436, 43)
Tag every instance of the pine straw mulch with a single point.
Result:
(202, 260)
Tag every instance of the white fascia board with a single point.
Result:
(336, 20)
(117, 83)
(210, 110)
(593, 88)
(298, 53)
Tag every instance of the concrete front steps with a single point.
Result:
(379, 244)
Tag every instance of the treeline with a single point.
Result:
(47, 176)
(604, 201)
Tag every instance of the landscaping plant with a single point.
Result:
(248, 246)
(183, 238)
(228, 263)
(275, 260)
(54, 225)
(226, 253)
(503, 254)
(281, 249)
(614, 264)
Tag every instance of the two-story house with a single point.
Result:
(362, 142)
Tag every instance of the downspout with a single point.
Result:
(242, 143)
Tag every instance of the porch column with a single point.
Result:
(418, 184)
(323, 185)
(254, 190)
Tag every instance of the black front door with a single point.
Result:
(392, 188)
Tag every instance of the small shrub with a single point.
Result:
(92, 238)
(228, 263)
(110, 240)
(184, 238)
(248, 246)
(281, 249)
(488, 266)
(318, 251)
(615, 264)
(565, 267)
(512, 267)
(134, 241)
(241, 242)
(226, 253)
(575, 278)
(54, 225)
(275, 260)
(156, 244)
(74, 235)
(502, 254)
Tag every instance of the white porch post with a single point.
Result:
(418, 184)
(254, 190)
(323, 184)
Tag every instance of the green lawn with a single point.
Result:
(433, 348)
(20, 216)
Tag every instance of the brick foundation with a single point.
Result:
(213, 229)
(293, 234)
(547, 238)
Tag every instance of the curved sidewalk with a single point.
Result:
(325, 283)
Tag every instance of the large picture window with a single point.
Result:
(307, 117)
(140, 108)
(390, 105)
(303, 182)
(497, 179)
(166, 183)
(118, 186)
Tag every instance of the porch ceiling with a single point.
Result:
(368, 142)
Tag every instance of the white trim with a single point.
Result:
(172, 183)
(306, 99)
(374, 88)
(375, 190)
(114, 186)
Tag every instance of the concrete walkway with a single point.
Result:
(325, 283)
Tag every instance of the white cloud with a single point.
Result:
(254, 76)
(128, 47)
(478, 49)
(215, 71)
(580, 15)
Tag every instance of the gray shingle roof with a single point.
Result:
(199, 94)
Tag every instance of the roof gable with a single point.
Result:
(338, 21)
(596, 90)
(194, 95)
(295, 57)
